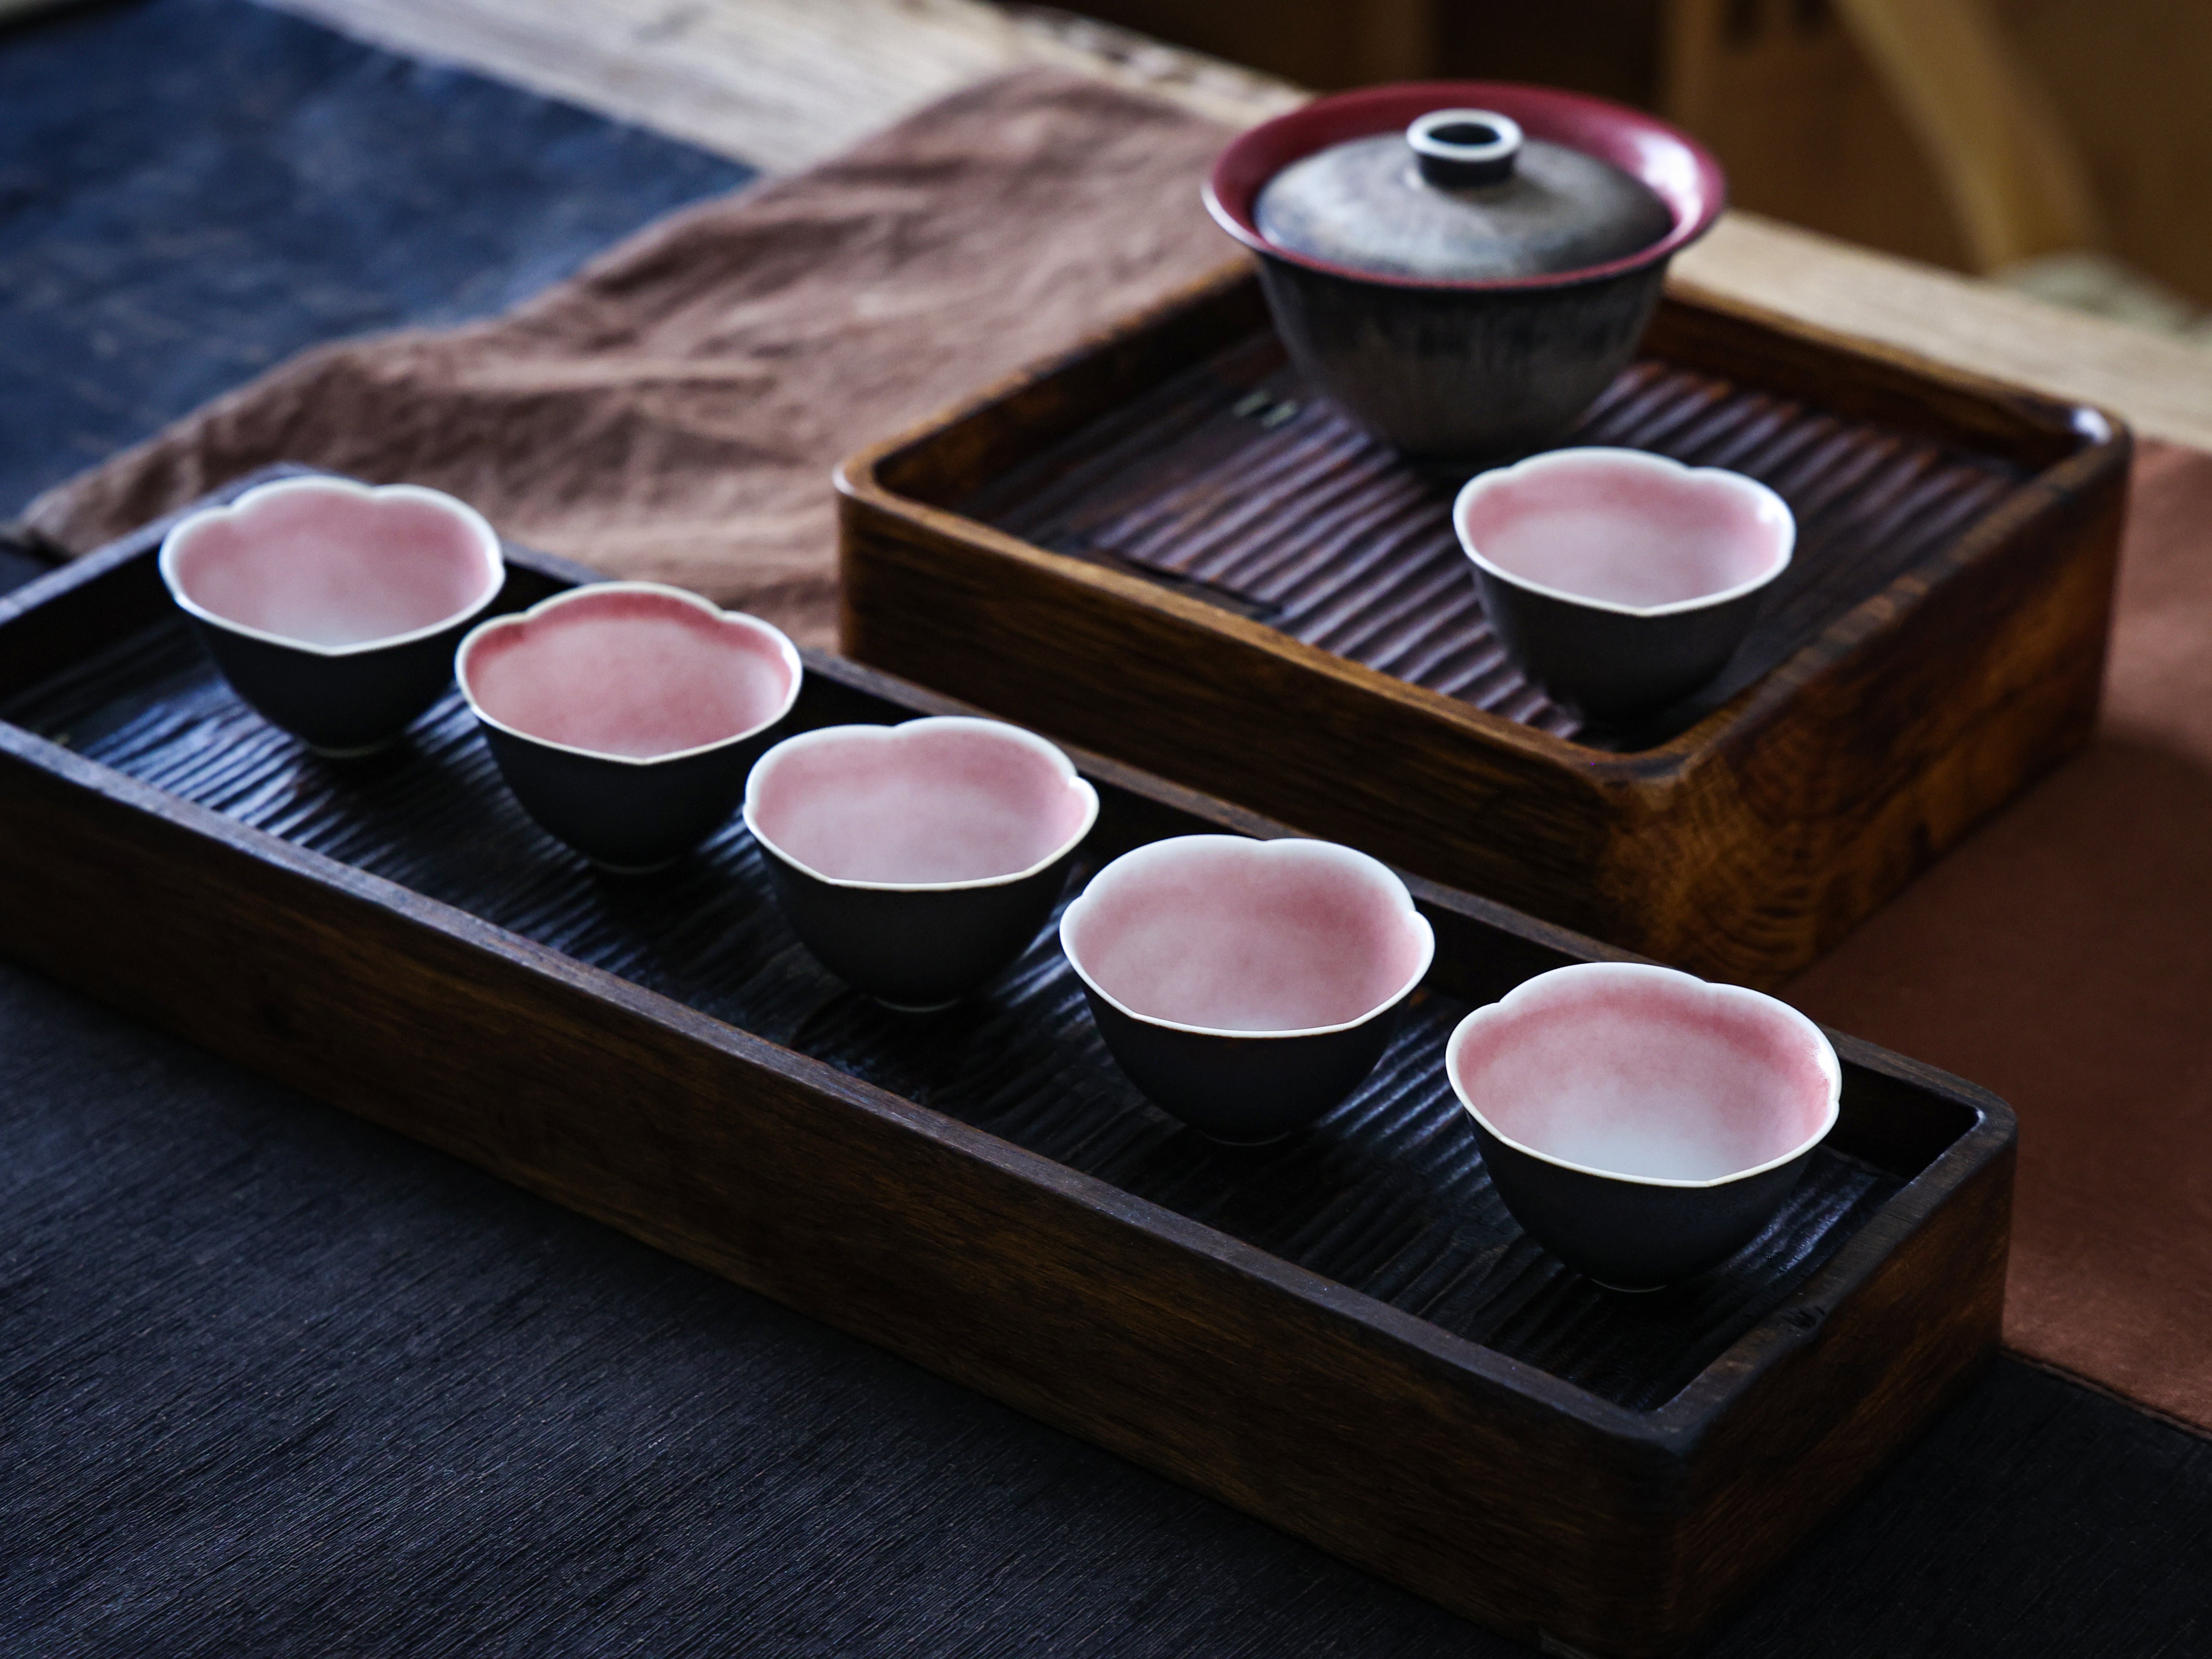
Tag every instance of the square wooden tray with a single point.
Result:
(1344, 1334)
(1162, 547)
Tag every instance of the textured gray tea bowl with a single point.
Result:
(1619, 581)
(1246, 986)
(625, 716)
(1642, 1124)
(917, 861)
(333, 608)
(1462, 267)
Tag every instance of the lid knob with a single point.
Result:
(1464, 149)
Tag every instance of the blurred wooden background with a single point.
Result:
(1972, 134)
(783, 83)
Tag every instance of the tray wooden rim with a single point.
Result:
(2094, 435)
(1671, 1429)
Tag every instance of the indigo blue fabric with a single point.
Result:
(192, 189)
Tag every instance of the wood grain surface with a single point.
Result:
(1905, 689)
(786, 83)
(1487, 1483)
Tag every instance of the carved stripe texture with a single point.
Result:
(1387, 1195)
(1230, 482)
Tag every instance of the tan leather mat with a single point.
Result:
(2063, 956)
(674, 412)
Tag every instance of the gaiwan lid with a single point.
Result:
(1459, 196)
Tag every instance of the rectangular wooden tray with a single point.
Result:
(1163, 547)
(1343, 1334)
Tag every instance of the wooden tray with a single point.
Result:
(1344, 1334)
(1160, 546)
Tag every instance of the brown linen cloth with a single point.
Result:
(675, 410)
(672, 413)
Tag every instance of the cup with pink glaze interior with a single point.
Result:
(625, 715)
(1246, 986)
(1642, 1124)
(1621, 582)
(332, 608)
(917, 861)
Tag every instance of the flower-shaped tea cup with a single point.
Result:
(1642, 1124)
(625, 715)
(1621, 582)
(332, 608)
(917, 861)
(1246, 986)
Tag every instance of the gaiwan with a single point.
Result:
(1462, 267)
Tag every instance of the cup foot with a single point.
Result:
(358, 752)
(1625, 1290)
(632, 869)
(1246, 1146)
(917, 1007)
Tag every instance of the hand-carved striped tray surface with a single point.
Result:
(1387, 1195)
(1231, 483)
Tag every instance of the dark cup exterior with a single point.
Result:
(628, 816)
(1245, 1090)
(1633, 1234)
(1615, 665)
(350, 703)
(1460, 374)
(917, 949)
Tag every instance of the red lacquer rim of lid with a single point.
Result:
(1680, 171)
